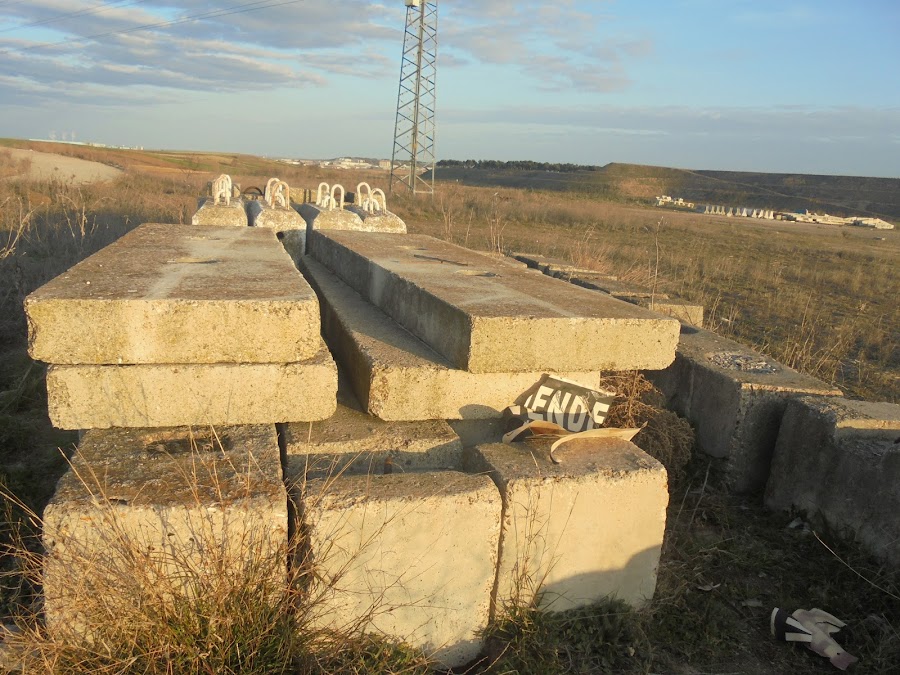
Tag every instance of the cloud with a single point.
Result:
(300, 43)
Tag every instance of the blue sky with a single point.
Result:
(759, 85)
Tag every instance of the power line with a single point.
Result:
(228, 11)
(94, 9)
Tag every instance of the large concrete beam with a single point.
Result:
(396, 376)
(176, 294)
(576, 532)
(156, 513)
(485, 317)
(408, 556)
(838, 461)
(734, 397)
(162, 395)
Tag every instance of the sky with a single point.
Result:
(748, 85)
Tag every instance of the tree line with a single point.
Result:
(515, 165)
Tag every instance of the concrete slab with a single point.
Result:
(579, 531)
(318, 218)
(175, 294)
(734, 397)
(152, 512)
(838, 462)
(352, 442)
(398, 377)
(99, 397)
(412, 556)
(484, 317)
(211, 214)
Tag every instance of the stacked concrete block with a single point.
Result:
(158, 513)
(587, 528)
(396, 376)
(411, 555)
(175, 326)
(837, 462)
(735, 398)
(485, 318)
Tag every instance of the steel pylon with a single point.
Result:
(413, 155)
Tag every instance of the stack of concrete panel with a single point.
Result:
(178, 326)
(735, 398)
(838, 461)
(488, 318)
(428, 331)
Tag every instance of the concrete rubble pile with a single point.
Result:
(193, 352)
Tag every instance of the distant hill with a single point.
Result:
(837, 195)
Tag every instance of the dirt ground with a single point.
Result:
(45, 165)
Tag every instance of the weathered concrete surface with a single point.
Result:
(221, 215)
(414, 553)
(380, 221)
(578, 531)
(175, 294)
(479, 432)
(153, 511)
(838, 461)
(99, 397)
(484, 317)
(352, 442)
(734, 397)
(398, 377)
(318, 218)
(280, 219)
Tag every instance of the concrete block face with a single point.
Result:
(576, 532)
(146, 511)
(412, 555)
(279, 219)
(335, 219)
(485, 317)
(734, 397)
(352, 442)
(99, 397)
(398, 377)
(176, 294)
(614, 287)
(838, 461)
(379, 222)
(211, 214)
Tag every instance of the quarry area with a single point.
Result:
(293, 387)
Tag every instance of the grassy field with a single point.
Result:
(636, 183)
(820, 298)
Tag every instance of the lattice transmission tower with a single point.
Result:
(413, 158)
